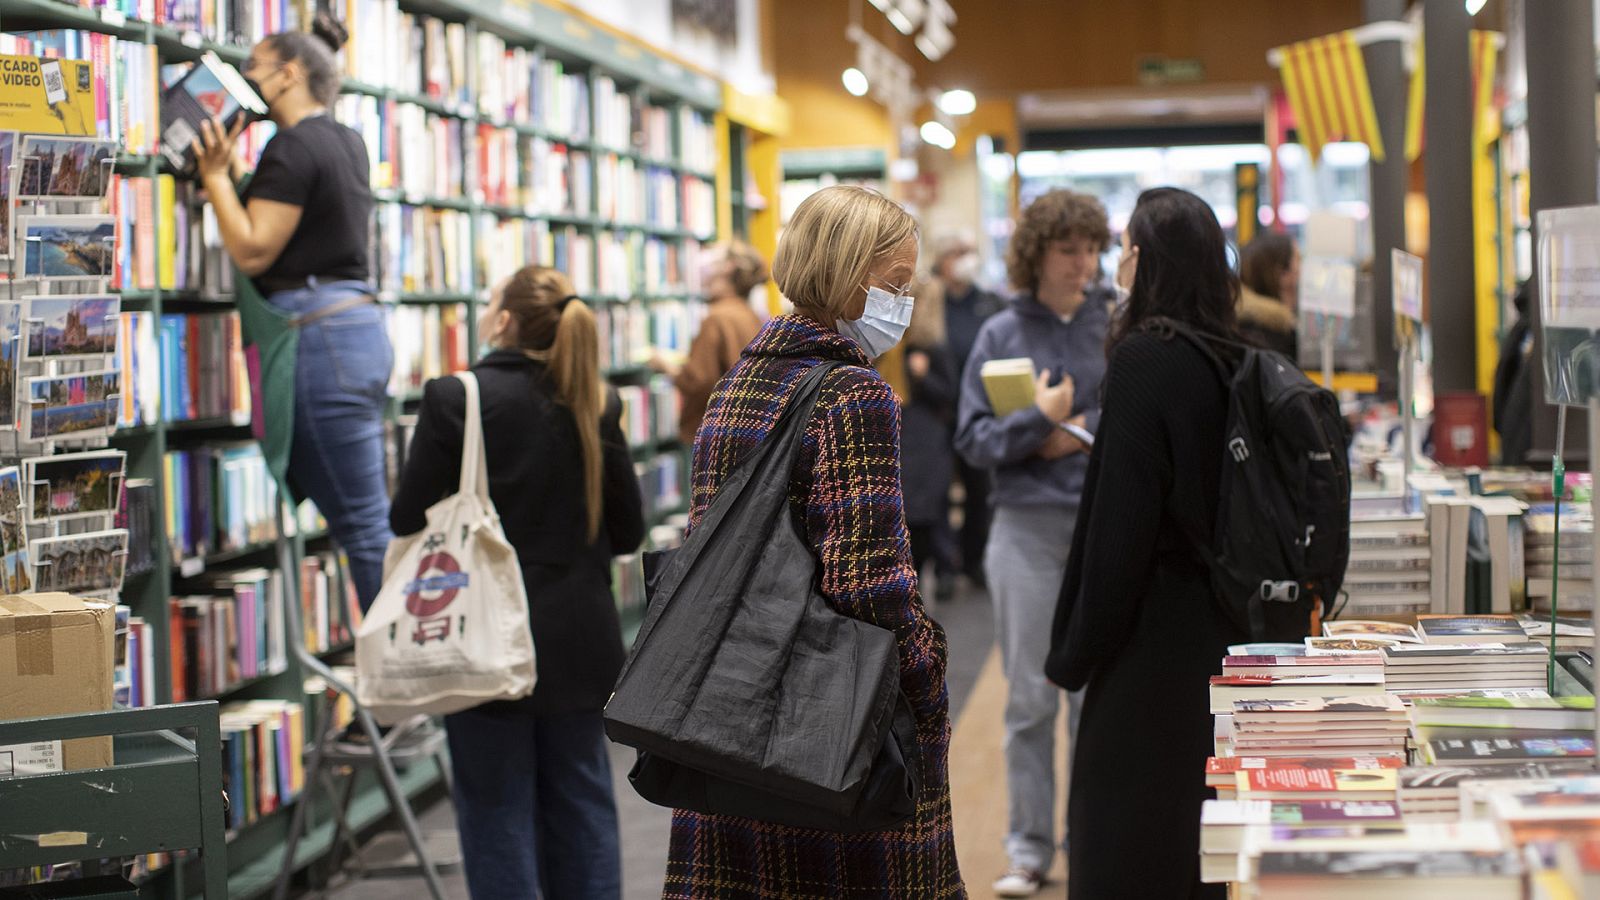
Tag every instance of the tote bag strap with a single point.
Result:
(474, 464)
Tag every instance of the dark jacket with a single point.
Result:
(928, 424)
(1136, 619)
(536, 483)
(964, 315)
(1513, 391)
(1268, 324)
(1008, 445)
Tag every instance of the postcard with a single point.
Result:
(8, 144)
(79, 562)
(63, 167)
(62, 327)
(82, 247)
(10, 344)
(15, 573)
(79, 405)
(72, 485)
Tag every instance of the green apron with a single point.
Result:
(271, 350)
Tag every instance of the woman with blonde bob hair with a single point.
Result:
(532, 784)
(845, 260)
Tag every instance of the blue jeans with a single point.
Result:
(534, 806)
(341, 391)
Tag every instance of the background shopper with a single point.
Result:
(1269, 267)
(534, 803)
(728, 273)
(1136, 617)
(1038, 471)
(967, 305)
(927, 447)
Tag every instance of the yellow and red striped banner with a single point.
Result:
(1485, 120)
(1325, 79)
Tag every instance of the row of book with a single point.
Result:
(627, 572)
(650, 411)
(263, 747)
(181, 367)
(429, 341)
(631, 264)
(218, 499)
(532, 174)
(661, 481)
(631, 332)
(239, 22)
(126, 77)
(409, 148)
(411, 54)
(1385, 759)
(516, 84)
(422, 250)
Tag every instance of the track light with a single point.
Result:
(855, 81)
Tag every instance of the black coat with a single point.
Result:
(1136, 623)
(536, 483)
(927, 437)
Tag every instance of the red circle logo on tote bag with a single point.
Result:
(439, 579)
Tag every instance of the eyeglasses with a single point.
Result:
(899, 291)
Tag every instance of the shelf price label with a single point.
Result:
(113, 17)
(192, 40)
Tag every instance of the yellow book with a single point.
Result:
(167, 258)
(1009, 384)
(47, 96)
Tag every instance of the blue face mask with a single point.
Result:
(882, 324)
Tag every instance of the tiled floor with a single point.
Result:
(969, 625)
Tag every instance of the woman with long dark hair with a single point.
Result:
(1136, 625)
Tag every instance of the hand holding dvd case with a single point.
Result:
(212, 89)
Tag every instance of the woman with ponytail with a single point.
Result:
(534, 803)
(299, 231)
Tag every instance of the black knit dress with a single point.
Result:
(1137, 625)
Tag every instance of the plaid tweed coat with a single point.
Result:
(847, 489)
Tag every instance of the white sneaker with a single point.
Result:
(1019, 882)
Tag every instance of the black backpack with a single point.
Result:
(1281, 541)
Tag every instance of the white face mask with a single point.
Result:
(964, 268)
(882, 324)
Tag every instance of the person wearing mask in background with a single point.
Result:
(533, 795)
(300, 231)
(845, 260)
(728, 273)
(1513, 394)
(926, 448)
(1038, 470)
(1136, 617)
(1269, 267)
(966, 307)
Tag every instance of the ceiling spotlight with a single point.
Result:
(958, 103)
(1475, 6)
(901, 21)
(938, 135)
(855, 82)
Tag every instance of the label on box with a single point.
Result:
(41, 758)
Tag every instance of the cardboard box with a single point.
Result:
(55, 659)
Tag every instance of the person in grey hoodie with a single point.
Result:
(1039, 470)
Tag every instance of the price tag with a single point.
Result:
(1328, 286)
(192, 40)
(113, 17)
(192, 567)
(30, 759)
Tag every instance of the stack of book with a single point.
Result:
(1571, 632)
(1428, 859)
(1501, 746)
(1455, 667)
(1224, 825)
(1577, 556)
(1373, 724)
(1391, 565)
(1434, 793)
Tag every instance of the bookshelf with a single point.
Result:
(526, 135)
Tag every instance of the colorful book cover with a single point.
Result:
(1317, 780)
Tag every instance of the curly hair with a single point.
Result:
(1057, 216)
(747, 269)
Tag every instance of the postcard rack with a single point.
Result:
(60, 382)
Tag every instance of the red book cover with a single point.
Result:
(175, 652)
(1228, 765)
(195, 348)
(1460, 429)
(144, 233)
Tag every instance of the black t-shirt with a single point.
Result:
(321, 167)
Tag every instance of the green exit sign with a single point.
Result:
(1161, 70)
